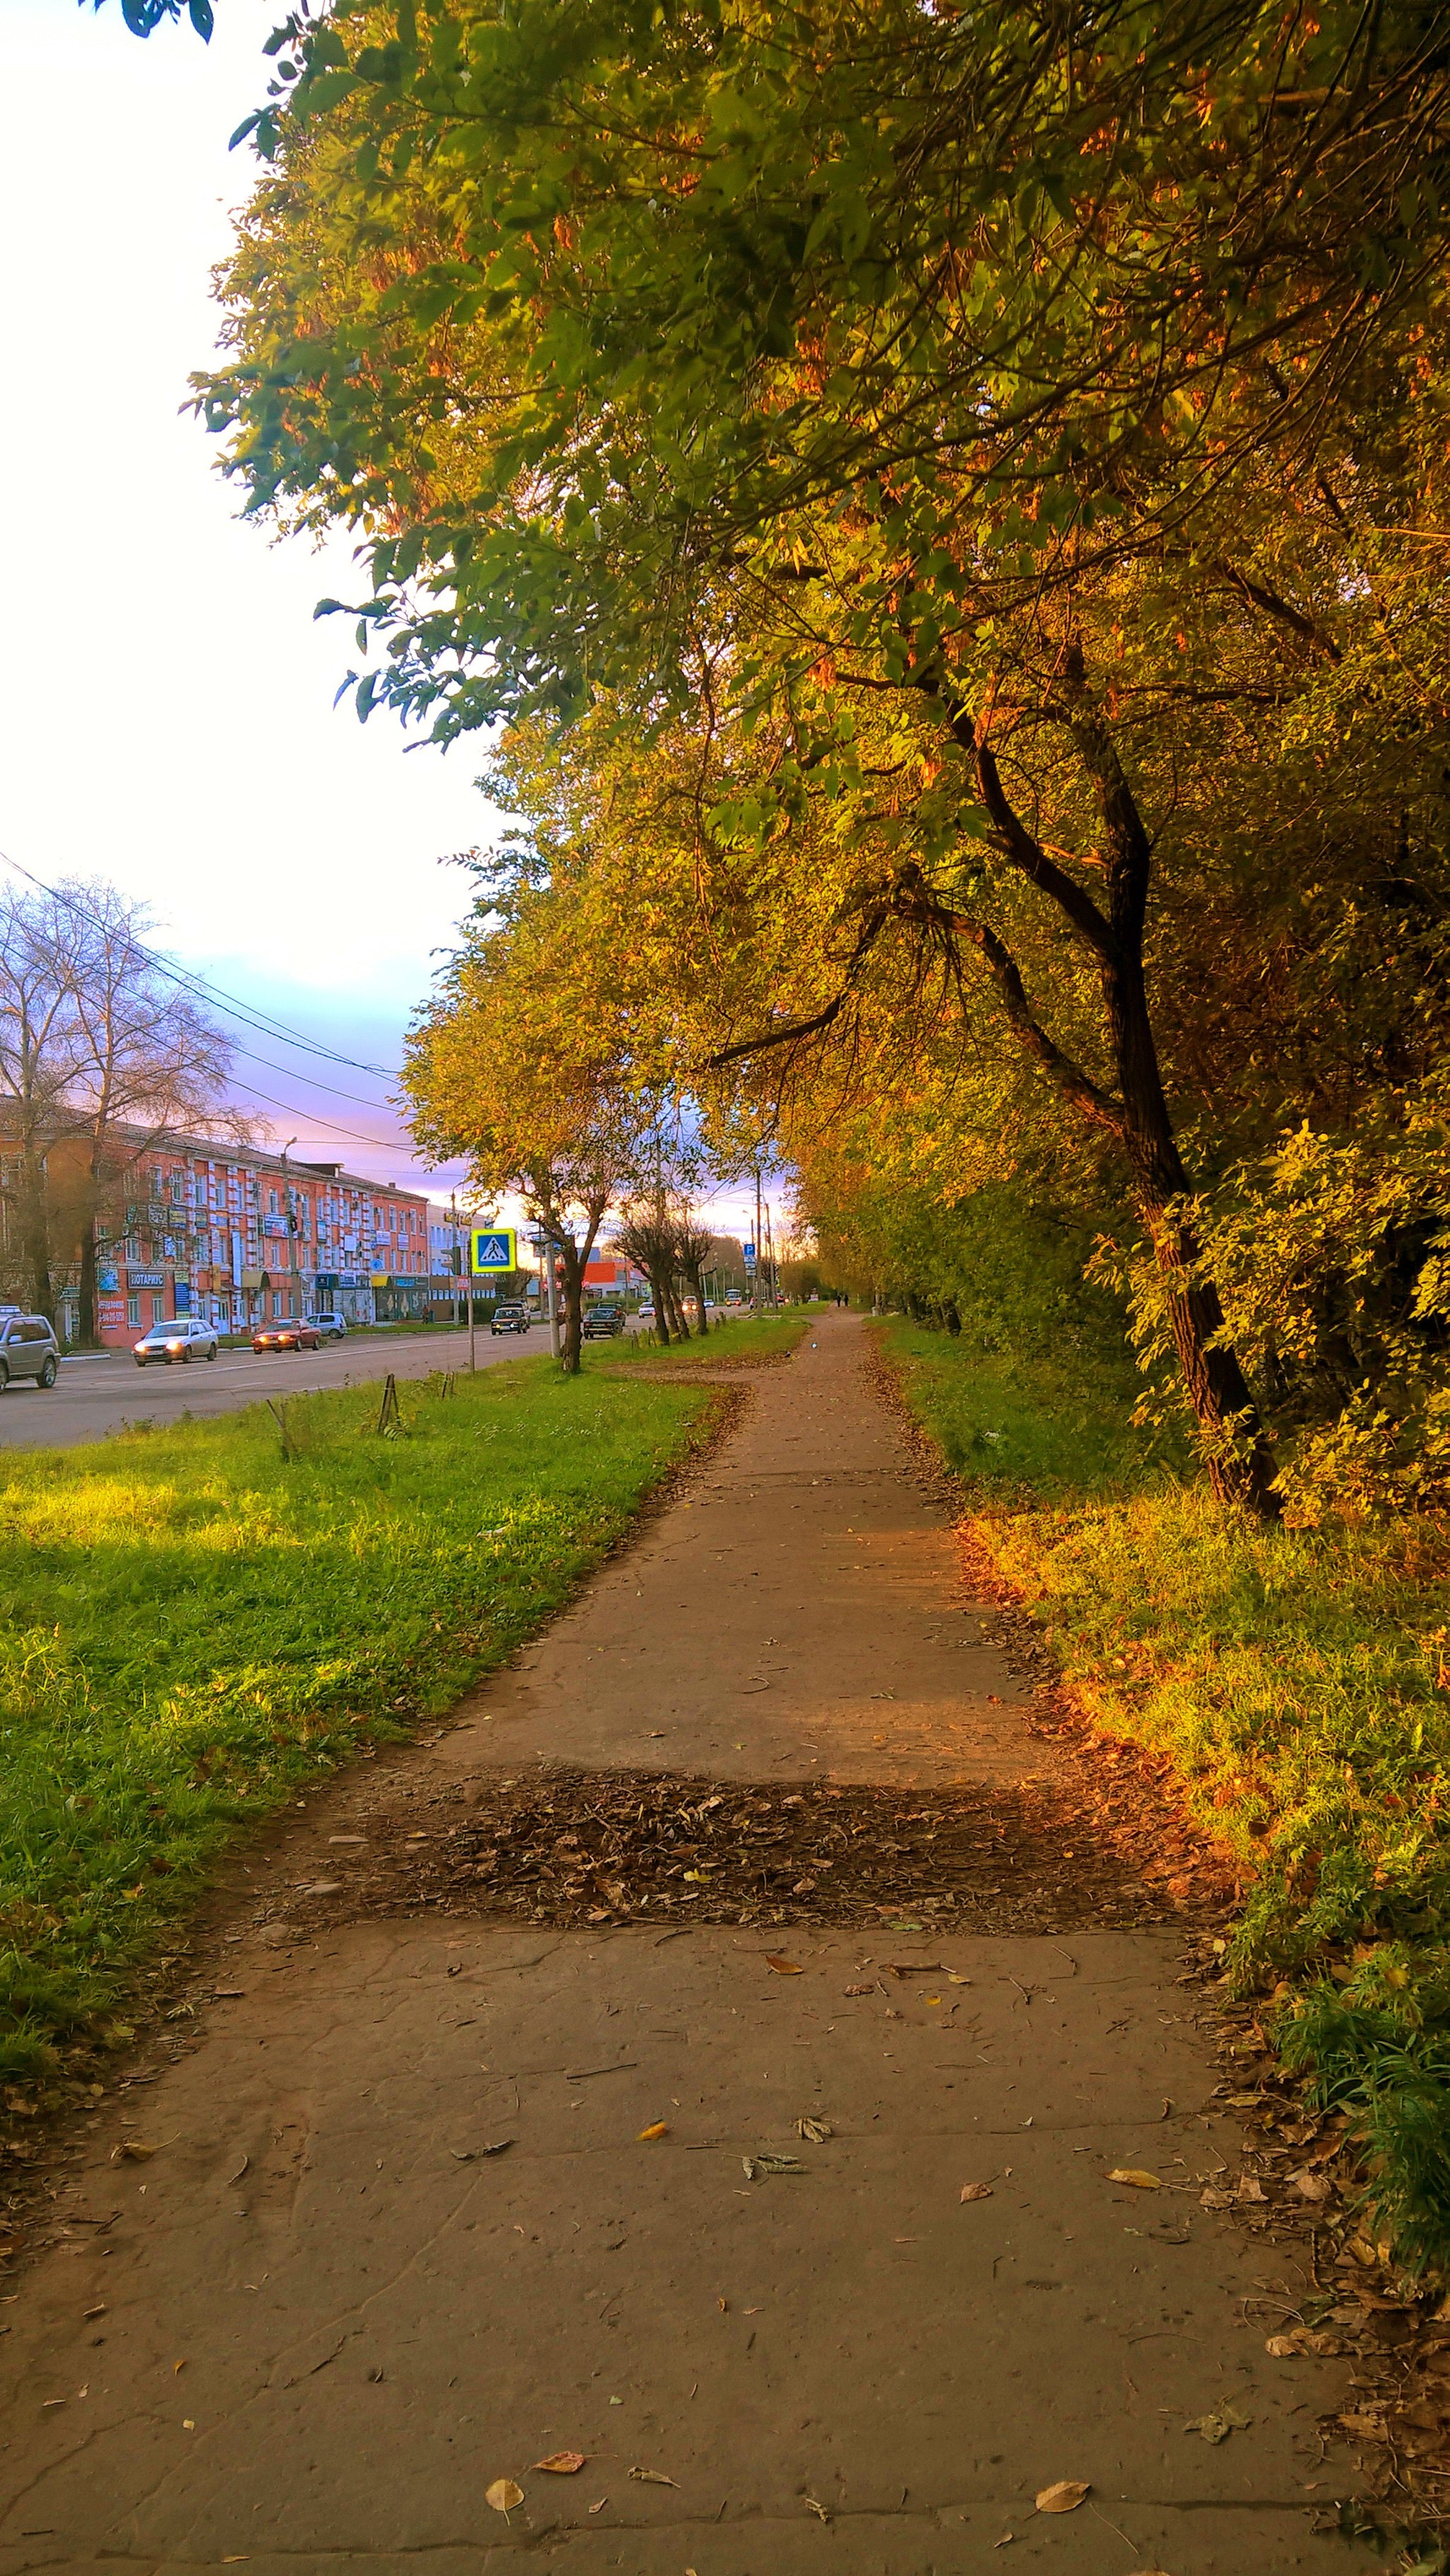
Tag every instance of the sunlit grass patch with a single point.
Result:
(744, 1336)
(196, 1623)
(1297, 1679)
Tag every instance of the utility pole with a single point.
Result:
(288, 1219)
(755, 1296)
(472, 1351)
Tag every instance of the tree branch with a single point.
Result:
(1130, 852)
(1279, 609)
(1020, 846)
(915, 901)
(768, 1039)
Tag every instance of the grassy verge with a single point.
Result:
(745, 1336)
(1300, 1682)
(197, 1621)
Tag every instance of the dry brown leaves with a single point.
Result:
(577, 1847)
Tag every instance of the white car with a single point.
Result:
(331, 1327)
(186, 1337)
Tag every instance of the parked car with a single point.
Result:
(511, 1318)
(186, 1337)
(295, 1334)
(603, 1322)
(28, 1348)
(331, 1327)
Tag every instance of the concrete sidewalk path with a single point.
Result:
(403, 2235)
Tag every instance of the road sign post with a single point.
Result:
(491, 1253)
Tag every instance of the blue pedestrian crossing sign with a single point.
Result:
(493, 1248)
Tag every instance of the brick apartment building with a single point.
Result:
(241, 1236)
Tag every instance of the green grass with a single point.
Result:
(1299, 1680)
(745, 1336)
(195, 1624)
(1025, 1425)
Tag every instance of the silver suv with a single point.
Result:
(28, 1348)
(333, 1328)
(186, 1337)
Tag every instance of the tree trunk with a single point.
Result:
(573, 1285)
(1238, 1457)
(87, 1324)
(678, 1325)
(696, 1282)
(35, 1233)
(656, 1280)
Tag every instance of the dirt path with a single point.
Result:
(401, 2236)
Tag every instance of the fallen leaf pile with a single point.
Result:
(1348, 2304)
(570, 1847)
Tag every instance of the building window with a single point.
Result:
(158, 1310)
(133, 1310)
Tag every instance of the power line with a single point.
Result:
(246, 1012)
(290, 1109)
(199, 984)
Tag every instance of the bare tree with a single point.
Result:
(42, 1048)
(101, 1050)
(155, 1066)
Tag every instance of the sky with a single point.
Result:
(166, 698)
(166, 716)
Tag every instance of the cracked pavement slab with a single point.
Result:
(404, 2234)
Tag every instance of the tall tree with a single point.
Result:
(875, 370)
(503, 1069)
(42, 1053)
(152, 1064)
(103, 1055)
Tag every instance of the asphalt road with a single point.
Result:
(97, 1394)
